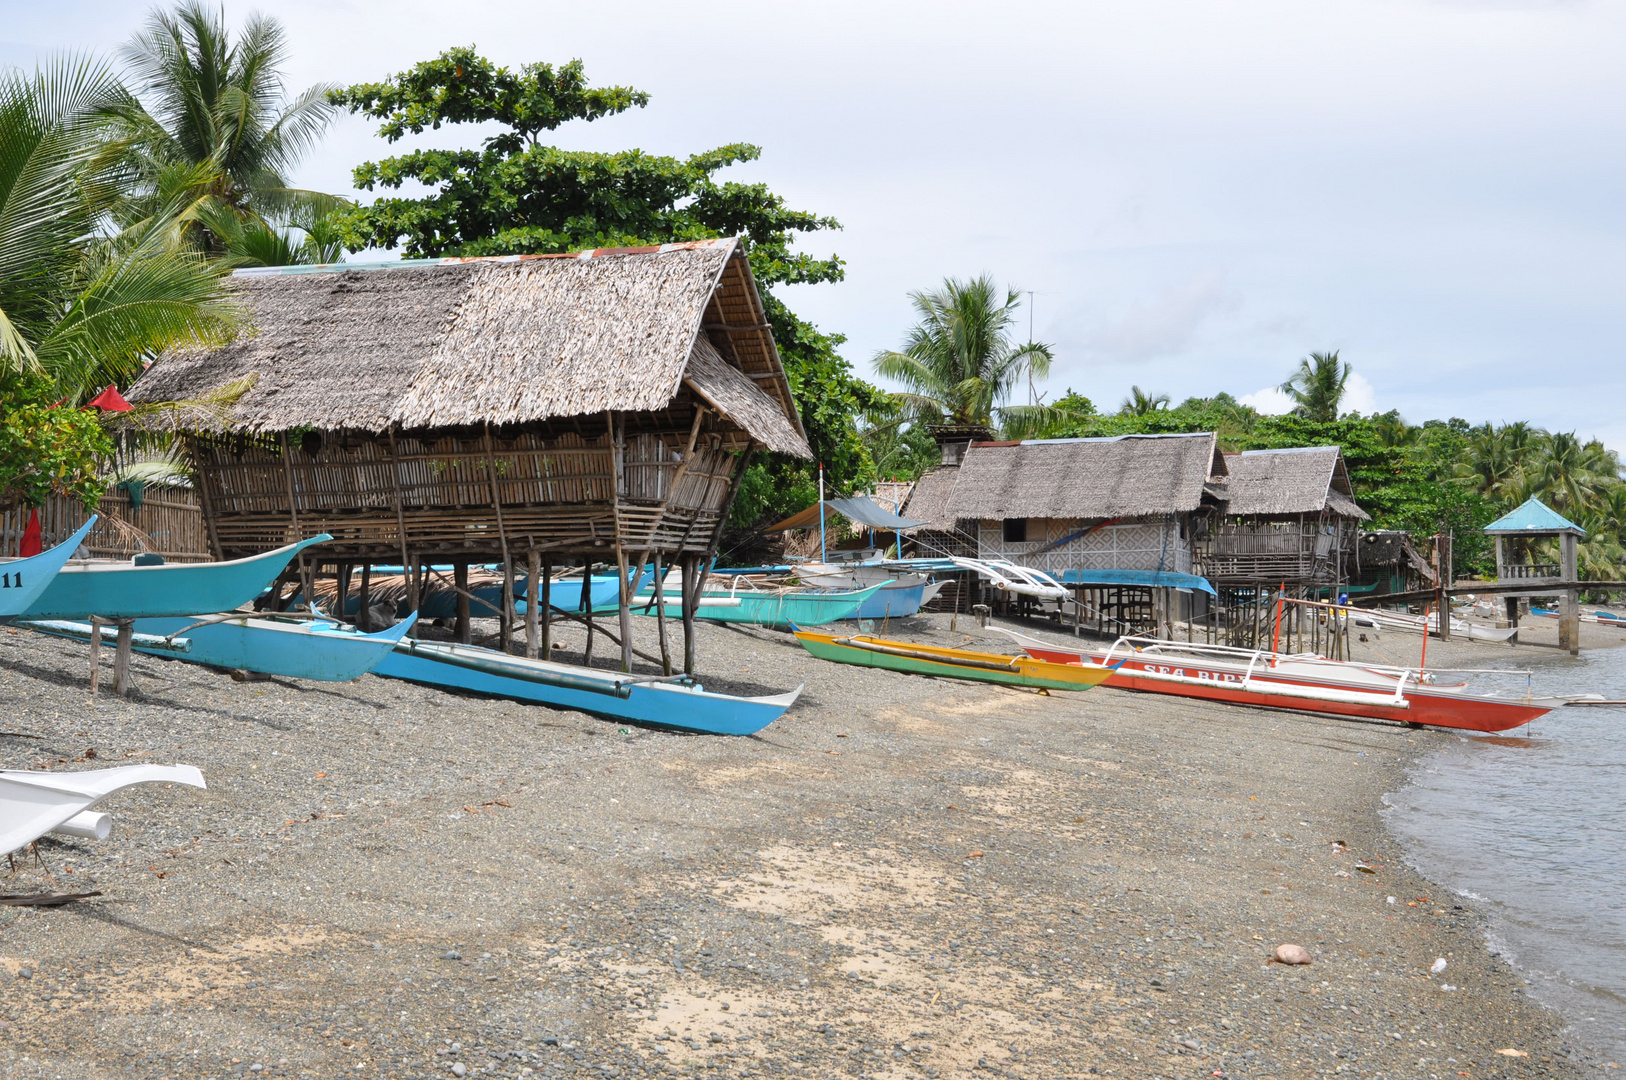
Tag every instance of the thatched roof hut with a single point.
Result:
(598, 405)
(1122, 476)
(1290, 518)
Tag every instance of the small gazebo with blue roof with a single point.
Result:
(1535, 520)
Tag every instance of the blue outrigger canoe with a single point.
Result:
(23, 580)
(314, 649)
(121, 590)
(665, 703)
(298, 649)
(811, 607)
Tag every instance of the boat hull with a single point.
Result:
(1213, 682)
(123, 591)
(782, 610)
(274, 648)
(886, 603)
(34, 803)
(659, 704)
(952, 663)
(23, 581)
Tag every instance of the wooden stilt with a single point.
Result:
(505, 635)
(95, 654)
(587, 611)
(547, 609)
(364, 618)
(624, 609)
(533, 561)
(660, 615)
(121, 658)
(690, 596)
(341, 594)
(460, 579)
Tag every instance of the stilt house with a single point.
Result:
(1290, 518)
(593, 407)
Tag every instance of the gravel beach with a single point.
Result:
(901, 878)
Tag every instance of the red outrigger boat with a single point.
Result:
(1303, 682)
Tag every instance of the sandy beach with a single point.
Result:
(901, 878)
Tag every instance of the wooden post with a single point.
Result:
(625, 610)
(400, 527)
(690, 598)
(341, 592)
(505, 617)
(1569, 615)
(364, 618)
(533, 560)
(660, 614)
(121, 658)
(95, 654)
(460, 579)
(547, 609)
(201, 483)
(587, 610)
(1510, 604)
(1442, 561)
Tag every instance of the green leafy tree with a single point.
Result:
(960, 361)
(1317, 387)
(45, 447)
(517, 195)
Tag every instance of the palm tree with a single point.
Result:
(77, 305)
(1566, 476)
(1139, 403)
(959, 363)
(1317, 387)
(213, 123)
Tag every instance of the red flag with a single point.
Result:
(109, 400)
(31, 536)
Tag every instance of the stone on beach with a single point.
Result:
(1290, 954)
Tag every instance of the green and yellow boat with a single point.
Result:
(1018, 670)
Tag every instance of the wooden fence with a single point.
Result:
(169, 523)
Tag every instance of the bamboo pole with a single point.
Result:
(305, 583)
(533, 560)
(207, 505)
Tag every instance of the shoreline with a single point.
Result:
(903, 877)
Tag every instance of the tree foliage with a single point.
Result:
(212, 135)
(960, 361)
(82, 302)
(516, 195)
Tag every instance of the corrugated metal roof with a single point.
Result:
(1533, 515)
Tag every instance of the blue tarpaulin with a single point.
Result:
(1158, 579)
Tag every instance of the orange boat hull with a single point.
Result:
(1459, 711)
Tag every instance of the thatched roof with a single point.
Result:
(450, 342)
(1272, 483)
(1124, 476)
(929, 500)
(1393, 547)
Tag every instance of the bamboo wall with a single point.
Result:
(453, 496)
(169, 523)
(1295, 551)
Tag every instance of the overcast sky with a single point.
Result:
(1198, 192)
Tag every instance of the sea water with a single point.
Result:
(1530, 826)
